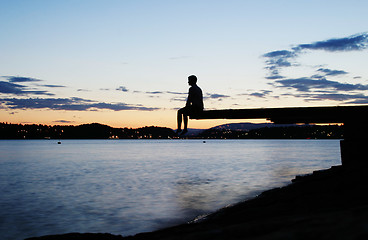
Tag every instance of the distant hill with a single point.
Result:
(225, 131)
(193, 132)
(273, 131)
(84, 131)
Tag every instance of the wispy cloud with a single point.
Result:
(69, 104)
(83, 90)
(166, 92)
(279, 58)
(258, 94)
(276, 60)
(330, 72)
(178, 96)
(52, 86)
(63, 121)
(351, 43)
(178, 99)
(26, 94)
(17, 86)
(18, 89)
(308, 84)
(21, 79)
(122, 88)
(176, 93)
(317, 87)
(215, 96)
(207, 96)
(347, 98)
(261, 94)
(155, 92)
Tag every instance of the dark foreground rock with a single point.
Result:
(328, 204)
(80, 236)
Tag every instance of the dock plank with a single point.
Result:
(334, 114)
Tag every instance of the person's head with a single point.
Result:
(192, 79)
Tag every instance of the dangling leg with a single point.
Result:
(179, 120)
(185, 130)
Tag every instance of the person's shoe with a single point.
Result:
(184, 132)
(178, 131)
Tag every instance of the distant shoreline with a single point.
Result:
(326, 204)
(228, 131)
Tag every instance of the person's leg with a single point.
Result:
(180, 118)
(185, 130)
(183, 115)
(188, 111)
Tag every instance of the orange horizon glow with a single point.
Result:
(128, 119)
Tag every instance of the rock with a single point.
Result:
(79, 236)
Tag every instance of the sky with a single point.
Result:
(125, 63)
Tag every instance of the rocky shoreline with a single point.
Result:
(326, 204)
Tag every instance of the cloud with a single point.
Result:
(122, 88)
(160, 92)
(52, 86)
(119, 107)
(13, 86)
(179, 99)
(276, 76)
(13, 79)
(308, 84)
(359, 101)
(63, 121)
(17, 89)
(84, 90)
(280, 53)
(69, 104)
(317, 87)
(176, 93)
(347, 98)
(329, 72)
(167, 92)
(6, 87)
(155, 92)
(215, 96)
(351, 43)
(276, 60)
(261, 94)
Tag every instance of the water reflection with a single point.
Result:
(126, 187)
(195, 195)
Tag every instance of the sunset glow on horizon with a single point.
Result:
(126, 63)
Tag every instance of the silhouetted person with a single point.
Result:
(194, 104)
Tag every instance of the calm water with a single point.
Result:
(130, 186)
